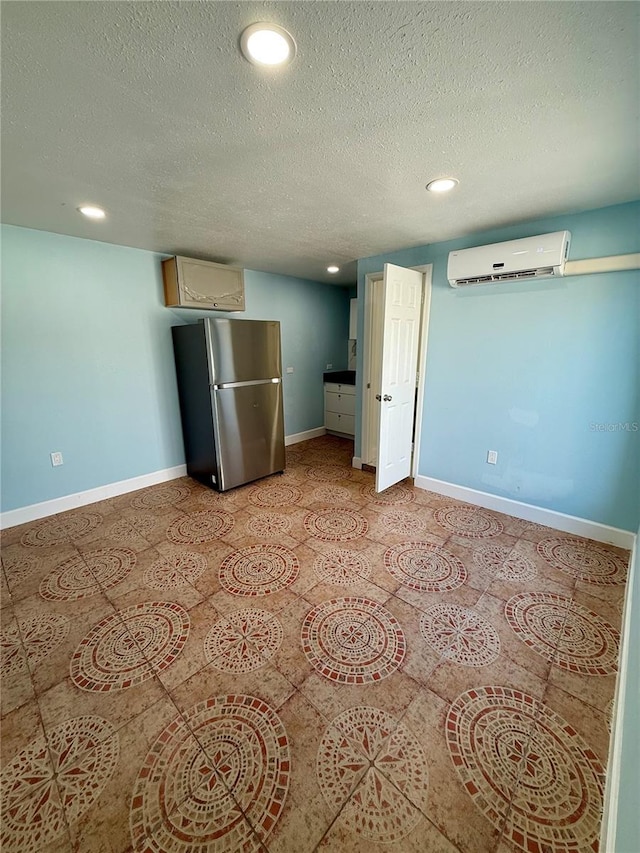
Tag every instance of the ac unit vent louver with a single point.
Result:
(527, 259)
(541, 272)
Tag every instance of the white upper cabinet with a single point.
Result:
(189, 283)
(353, 319)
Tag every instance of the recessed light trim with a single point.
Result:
(267, 45)
(442, 185)
(91, 211)
(333, 269)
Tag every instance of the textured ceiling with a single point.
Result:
(149, 110)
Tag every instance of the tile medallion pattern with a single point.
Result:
(175, 570)
(54, 781)
(268, 525)
(200, 527)
(504, 563)
(469, 521)
(328, 473)
(353, 640)
(527, 770)
(19, 564)
(402, 522)
(375, 765)
(397, 494)
(205, 793)
(424, 567)
(61, 528)
(125, 648)
(243, 641)
(343, 567)
(259, 570)
(460, 634)
(593, 564)
(331, 495)
(378, 596)
(158, 498)
(274, 494)
(38, 636)
(565, 633)
(86, 574)
(336, 525)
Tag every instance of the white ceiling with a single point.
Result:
(149, 110)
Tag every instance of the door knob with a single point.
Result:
(378, 397)
(387, 398)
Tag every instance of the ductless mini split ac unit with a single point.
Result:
(516, 260)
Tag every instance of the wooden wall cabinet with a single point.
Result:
(189, 283)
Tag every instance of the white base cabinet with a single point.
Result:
(340, 408)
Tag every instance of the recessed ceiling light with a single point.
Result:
(333, 269)
(442, 185)
(267, 44)
(92, 212)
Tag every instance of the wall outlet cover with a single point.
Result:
(492, 457)
(56, 458)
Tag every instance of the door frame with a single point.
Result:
(427, 285)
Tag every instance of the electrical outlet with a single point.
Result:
(289, 369)
(328, 367)
(56, 458)
(492, 457)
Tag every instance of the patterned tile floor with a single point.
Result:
(303, 665)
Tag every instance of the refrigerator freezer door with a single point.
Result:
(242, 350)
(249, 432)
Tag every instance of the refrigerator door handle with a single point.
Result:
(275, 381)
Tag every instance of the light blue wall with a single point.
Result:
(87, 362)
(526, 369)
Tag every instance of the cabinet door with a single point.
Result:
(353, 319)
(191, 283)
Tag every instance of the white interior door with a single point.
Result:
(397, 393)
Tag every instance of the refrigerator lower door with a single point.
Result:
(249, 431)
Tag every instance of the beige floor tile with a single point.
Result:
(393, 694)
(266, 683)
(192, 658)
(53, 631)
(134, 590)
(65, 700)
(290, 658)
(225, 644)
(592, 724)
(448, 806)
(25, 568)
(19, 728)
(449, 679)
(306, 814)
(104, 827)
(511, 644)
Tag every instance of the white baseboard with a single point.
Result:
(608, 835)
(529, 512)
(304, 436)
(24, 514)
(356, 462)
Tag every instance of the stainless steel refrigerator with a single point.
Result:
(230, 388)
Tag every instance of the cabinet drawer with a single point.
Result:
(345, 404)
(335, 388)
(340, 423)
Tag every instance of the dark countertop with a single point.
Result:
(344, 377)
